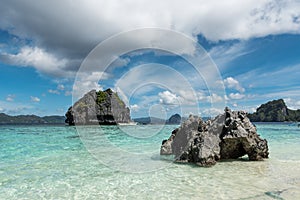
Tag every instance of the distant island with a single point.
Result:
(274, 111)
(30, 119)
(106, 107)
(174, 119)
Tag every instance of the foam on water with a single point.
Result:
(51, 162)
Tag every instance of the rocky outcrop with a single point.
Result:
(174, 119)
(102, 107)
(228, 136)
(274, 111)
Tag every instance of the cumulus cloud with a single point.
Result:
(13, 108)
(60, 87)
(10, 97)
(61, 43)
(233, 84)
(214, 98)
(168, 98)
(236, 96)
(134, 108)
(38, 58)
(53, 91)
(86, 81)
(212, 112)
(35, 99)
(292, 103)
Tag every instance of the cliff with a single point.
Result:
(274, 111)
(102, 107)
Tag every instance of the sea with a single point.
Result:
(123, 162)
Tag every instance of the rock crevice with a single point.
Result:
(228, 136)
(102, 107)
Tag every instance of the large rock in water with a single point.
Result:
(274, 111)
(228, 136)
(102, 107)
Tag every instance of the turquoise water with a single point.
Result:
(53, 162)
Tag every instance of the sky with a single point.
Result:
(251, 48)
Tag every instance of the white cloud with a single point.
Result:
(292, 103)
(211, 112)
(38, 58)
(223, 54)
(60, 87)
(233, 84)
(14, 108)
(62, 43)
(214, 98)
(10, 97)
(217, 20)
(168, 98)
(276, 78)
(35, 99)
(87, 81)
(134, 108)
(53, 91)
(236, 96)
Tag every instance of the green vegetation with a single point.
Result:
(121, 103)
(31, 119)
(101, 97)
(274, 111)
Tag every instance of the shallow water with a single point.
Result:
(53, 162)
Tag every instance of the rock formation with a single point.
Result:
(174, 119)
(228, 136)
(102, 107)
(274, 111)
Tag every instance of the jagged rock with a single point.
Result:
(102, 107)
(228, 136)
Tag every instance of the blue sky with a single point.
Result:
(255, 46)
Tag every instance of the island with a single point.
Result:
(174, 119)
(98, 107)
(275, 111)
(30, 119)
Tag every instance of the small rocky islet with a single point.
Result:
(98, 107)
(228, 136)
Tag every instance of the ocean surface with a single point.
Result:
(91, 162)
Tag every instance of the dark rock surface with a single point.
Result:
(227, 136)
(274, 111)
(102, 107)
(174, 119)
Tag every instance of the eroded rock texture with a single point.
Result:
(102, 107)
(228, 136)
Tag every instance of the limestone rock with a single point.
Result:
(174, 119)
(274, 111)
(228, 136)
(102, 107)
